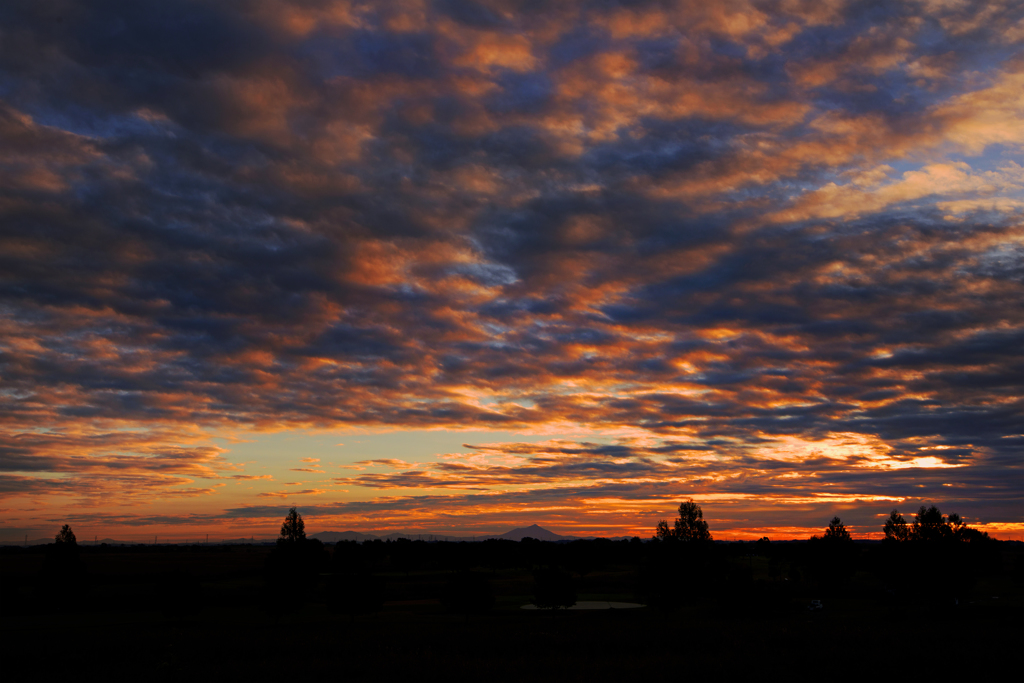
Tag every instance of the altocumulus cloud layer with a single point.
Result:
(774, 249)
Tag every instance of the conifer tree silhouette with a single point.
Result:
(293, 530)
(836, 531)
(689, 526)
(66, 535)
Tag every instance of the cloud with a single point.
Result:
(384, 462)
(933, 180)
(721, 226)
(289, 494)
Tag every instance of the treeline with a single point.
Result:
(935, 559)
(681, 566)
(930, 526)
(932, 559)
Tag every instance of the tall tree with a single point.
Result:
(931, 525)
(293, 529)
(690, 525)
(896, 528)
(836, 531)
(66, 535)
(62, 566)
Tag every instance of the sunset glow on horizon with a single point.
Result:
(459, 266)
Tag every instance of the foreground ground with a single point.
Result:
(202, 613)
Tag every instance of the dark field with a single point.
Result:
(419, 611)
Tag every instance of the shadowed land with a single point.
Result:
(452, 611)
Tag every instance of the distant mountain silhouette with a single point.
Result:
(82, 541)
(335, 536)
(418, 536)
(198, 540)
(31, 541)
(533, 531)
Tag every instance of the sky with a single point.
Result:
(461, 266)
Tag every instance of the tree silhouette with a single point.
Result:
(689, 526)
(66, 535)
(895, 528)
(953, 551)
(63, 554)
(62, 566)
(293, 567)
(931, 526)
(832, 558)
(293, 530)
(836, 531)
